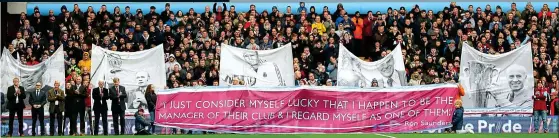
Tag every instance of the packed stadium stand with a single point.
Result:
(431, 39)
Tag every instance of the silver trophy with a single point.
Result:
(480, 78)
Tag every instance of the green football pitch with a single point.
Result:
(338, 136)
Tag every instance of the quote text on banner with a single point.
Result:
(307, 110)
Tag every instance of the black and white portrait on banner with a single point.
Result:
(136, 70)
(262, 72)
(46, 72)
(136, 98)
(391, 76)
(257, 67)
(387, 72)
(356, 78)
(135, 92)
(482, 77)
(497, 81)
(517, 78)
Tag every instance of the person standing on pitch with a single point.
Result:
(79, 105)
(88, 88)
(151, 99)
(69, 108)
(118, 96)
(554, 110)
(37, 100)
(540, 107)
(16, 94)
(100, 96)
(56, 98)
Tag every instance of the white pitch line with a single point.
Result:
(384, 135)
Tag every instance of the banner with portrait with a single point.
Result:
(386, 72)
(46, 72)
(497, 83)
(136, 70)
(256, 67)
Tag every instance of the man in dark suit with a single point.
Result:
(16, 94)
(100, 96)
(118, 96)
(79, 105)
(56, 107)
(37, 99)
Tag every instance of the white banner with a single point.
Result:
(497, 82)
(2, 95)
(134, 69)
(257, 67)
(387, 72)
(45, 72)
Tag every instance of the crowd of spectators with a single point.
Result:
(431, 40)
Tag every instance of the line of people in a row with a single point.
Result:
(71, 103)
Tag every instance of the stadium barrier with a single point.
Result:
(477, 124)
(503, 125)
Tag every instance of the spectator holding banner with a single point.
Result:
(540, 107)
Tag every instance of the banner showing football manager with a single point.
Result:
(46, 72)
(256, 67)
(497, 83)
(134, 69)
(386, 72)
